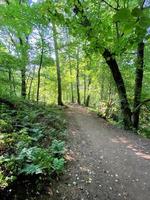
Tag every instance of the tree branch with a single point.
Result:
(142, 4)
(7, 2)
(141, 104)
(109, 5)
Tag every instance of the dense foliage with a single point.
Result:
(31, 142)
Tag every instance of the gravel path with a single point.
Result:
(106, 163)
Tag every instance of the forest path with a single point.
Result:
(107, 163)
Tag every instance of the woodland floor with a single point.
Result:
(106, 163)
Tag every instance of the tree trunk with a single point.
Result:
(71, 84)
(77, 78)
(88, 96)
(14, 84)
(125, 108)
(57, 65)
(39, 74)
(85, 87)
(30, 85)
(23, 73)
(23, 82)
(138, 84)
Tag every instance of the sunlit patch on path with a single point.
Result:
(138, 150)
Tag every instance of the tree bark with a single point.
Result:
(39, 74)
(125, 108)
(138, 84)
(59, 99)
(77, 78)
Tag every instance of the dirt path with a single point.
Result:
(107, 163)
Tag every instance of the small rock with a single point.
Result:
(74, 183)
(110, 188)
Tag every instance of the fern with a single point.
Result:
(31, 169)
(58, 164)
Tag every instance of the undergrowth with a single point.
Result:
(31, 142)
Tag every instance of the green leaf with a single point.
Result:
(136, 12)
(31, 169)
(57, 147)
(123, 15)
(58, 164)
(144, 22)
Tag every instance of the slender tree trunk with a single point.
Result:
(138, 79)
(77, 78)
(85, 87)
(23, 73)
(14, 85)
(30, 85)
(39, 75)
(88, 96)
(57, 66)
(125, 108)
(87, 100)
(23, 82)
(138, 84)
(71, 84)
